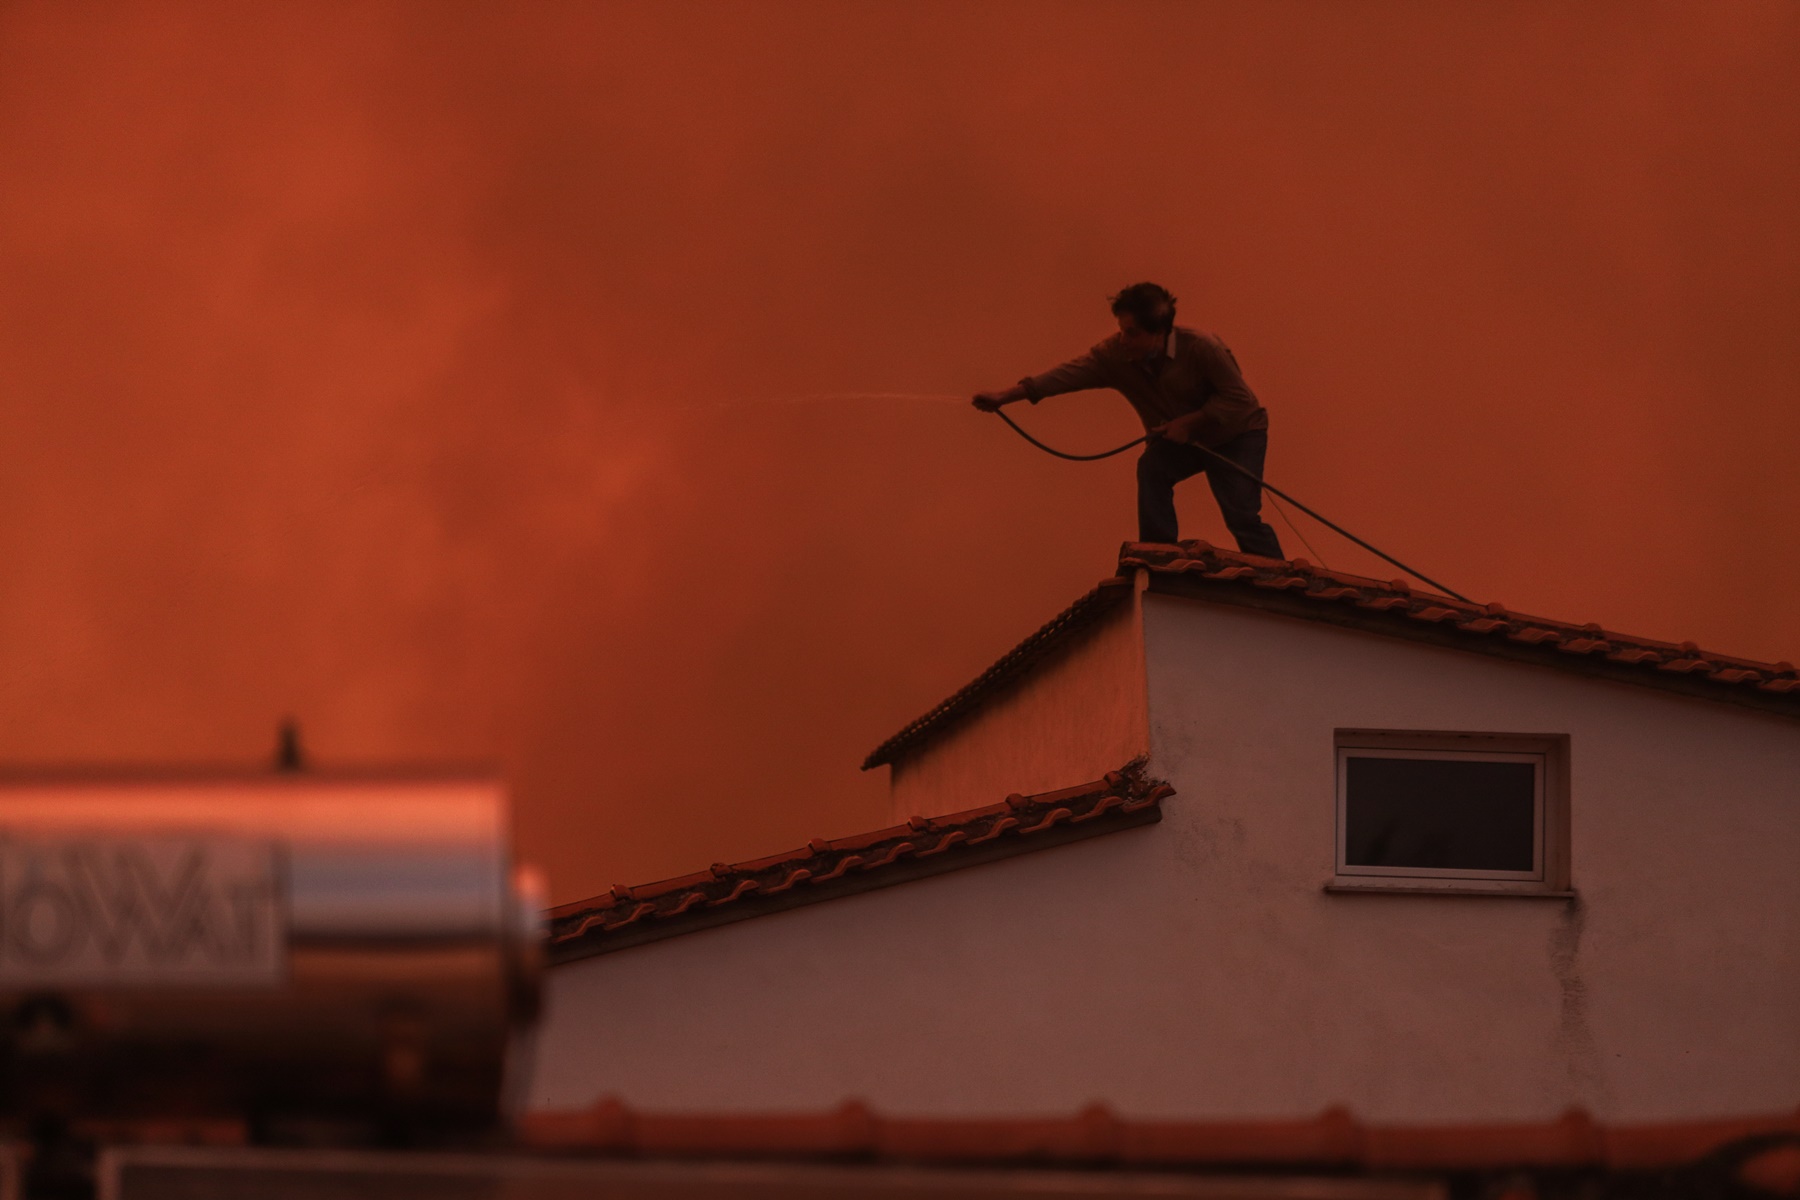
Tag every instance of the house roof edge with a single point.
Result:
(823, 870)
(1298, 589)
(1055, 633)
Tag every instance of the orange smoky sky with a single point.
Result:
(448, 375)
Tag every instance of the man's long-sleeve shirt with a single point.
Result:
(1194, 373)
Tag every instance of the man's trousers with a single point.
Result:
(1165, 463)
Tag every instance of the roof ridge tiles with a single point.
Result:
(1114, 780)
(1397, 607)
(645, 891)
(1123, 799)
(757, 864)
(859, 841)
(1393, 607)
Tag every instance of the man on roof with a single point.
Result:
(1189, 393)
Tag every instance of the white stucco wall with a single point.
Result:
(1080, 713)
(1195, 968)
(1671, 989)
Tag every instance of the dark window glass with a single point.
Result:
(1449, 814)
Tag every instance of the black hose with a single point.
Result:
(1213, 454)
(1001, 413)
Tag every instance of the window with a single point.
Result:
(1462, 812)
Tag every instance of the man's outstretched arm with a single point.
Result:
(1078, 374)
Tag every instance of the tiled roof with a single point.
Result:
(1106, 596)
(823, 870)
(1096, 1137)
(1299, 589)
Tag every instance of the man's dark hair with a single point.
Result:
(1149, 304)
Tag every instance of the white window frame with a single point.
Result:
(1548, 755)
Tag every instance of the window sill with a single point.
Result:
(1438, 887)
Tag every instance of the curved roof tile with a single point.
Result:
(1393, 607)
(822, 870)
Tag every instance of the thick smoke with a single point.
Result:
(428, 371)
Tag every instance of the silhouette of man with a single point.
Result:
(1188, 391)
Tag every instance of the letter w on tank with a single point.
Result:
(154, 904)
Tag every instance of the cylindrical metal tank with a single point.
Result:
(289, 947)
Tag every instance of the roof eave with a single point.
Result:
(1399, 624)
(827, 870)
